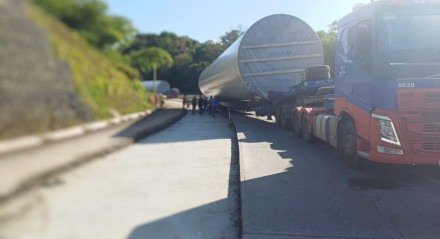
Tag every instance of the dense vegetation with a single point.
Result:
(91, 20)
(190, 57)
(105, 85)
(328, 41)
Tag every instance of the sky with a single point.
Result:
(205, 20)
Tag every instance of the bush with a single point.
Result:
(103, 83)
(91, 20)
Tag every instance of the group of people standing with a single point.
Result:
(203, 103)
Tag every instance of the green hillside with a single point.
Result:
(103, 84)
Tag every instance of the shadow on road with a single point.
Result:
(198, 222)
(318, 195)
(183, 225)
(157, 121)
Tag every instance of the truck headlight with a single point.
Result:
(387, 131)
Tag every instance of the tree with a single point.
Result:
(91, 20)
(230, 37)
(170, 42)
(328, 41)
(151, 59)
(190, 57)
(181, 48)
(208, 51)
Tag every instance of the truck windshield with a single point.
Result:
(409, 32)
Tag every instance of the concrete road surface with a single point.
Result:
(291, 189)
(174, 184)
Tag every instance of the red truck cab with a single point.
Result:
(387, 86)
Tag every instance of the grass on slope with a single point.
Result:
(103, 84)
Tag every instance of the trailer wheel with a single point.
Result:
(297, 125)
(347, 145)
(306, 134)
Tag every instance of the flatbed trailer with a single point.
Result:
(384, 101)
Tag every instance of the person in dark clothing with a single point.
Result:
(214, 106)
(205, 104)
(194, 103)
(188, 104)
(200, 103)
(184, 101)
(210, 104)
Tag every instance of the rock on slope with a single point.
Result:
(36, 90)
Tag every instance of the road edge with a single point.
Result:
(235, 176)
(46, 177)
(37, 140)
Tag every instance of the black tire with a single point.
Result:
(297, 125)
(320, 68)
(317, 76)
(347, 144)
(317, 73)
(306, 134)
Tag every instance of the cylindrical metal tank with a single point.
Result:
(270, 56)
(158, 86)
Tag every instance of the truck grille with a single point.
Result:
(431, 127)
(432, 97)
(431, 138)
(426, 146)
(418, 101)
(431, 116)
(424, 137)
(431, 146)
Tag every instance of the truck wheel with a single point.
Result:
(306, 134)
(347, 145)
(297, 125)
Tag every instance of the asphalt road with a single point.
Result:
(180, 183)
(291, 189)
